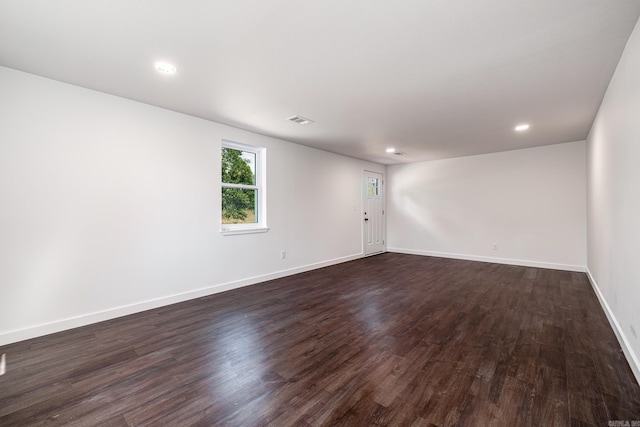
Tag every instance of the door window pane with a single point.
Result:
(372, 187)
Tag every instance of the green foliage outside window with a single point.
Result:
(237, 203)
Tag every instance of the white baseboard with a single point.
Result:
(508, 261)
(632, 358)
(112, 313)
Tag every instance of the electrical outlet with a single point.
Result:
(283, 254)
(495, 246)
(3, 364)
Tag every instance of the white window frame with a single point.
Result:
(260, 187)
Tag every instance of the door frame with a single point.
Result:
(363, 203)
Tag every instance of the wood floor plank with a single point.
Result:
(396, 340)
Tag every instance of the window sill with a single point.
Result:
(244, 231)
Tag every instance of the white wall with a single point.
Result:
(530, 202)
(110, 206)
(614, 201)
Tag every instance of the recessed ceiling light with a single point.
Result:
(300, 120)
(391, 150)
(522, 127)
(166, 68)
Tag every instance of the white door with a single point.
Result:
(373, 213)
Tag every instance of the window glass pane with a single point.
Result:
(239, 206)
(372, 187)
(238, 167)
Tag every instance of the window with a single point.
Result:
(243, 194)
(373, 188)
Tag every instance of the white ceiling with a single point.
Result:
(432, 78)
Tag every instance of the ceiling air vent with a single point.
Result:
(300, 120)
(399, 153)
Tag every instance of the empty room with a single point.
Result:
(329, 213)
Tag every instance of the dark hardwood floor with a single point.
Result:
(387, 340)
